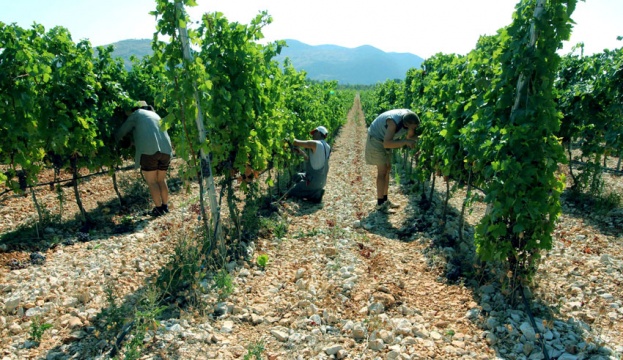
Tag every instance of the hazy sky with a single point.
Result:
(421, 27)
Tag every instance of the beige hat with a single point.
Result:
(142, 103)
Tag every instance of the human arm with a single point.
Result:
(125, 128)
(411, 133)
(307, 144)
(390, 143)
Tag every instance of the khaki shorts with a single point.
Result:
(157, 161)
(376, 154)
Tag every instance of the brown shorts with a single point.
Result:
(157, 161)
(376, 154)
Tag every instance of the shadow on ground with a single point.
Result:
(456, 257)
(601, 212)
(132, 326)
(108, 218)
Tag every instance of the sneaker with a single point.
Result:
(164, 208)
(384, 207)
(391, 205)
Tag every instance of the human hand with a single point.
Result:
(410, 143)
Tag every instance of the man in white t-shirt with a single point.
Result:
(384, 134)
(311, 183)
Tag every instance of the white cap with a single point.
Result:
(321, 129)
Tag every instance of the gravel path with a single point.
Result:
(344, 282)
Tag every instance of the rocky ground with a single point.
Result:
(343, 282)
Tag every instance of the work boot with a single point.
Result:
(318, 198)
(155, 212)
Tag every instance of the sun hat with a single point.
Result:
(321, 129)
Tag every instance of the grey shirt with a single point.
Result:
(148, 137)
(378, 128)
(318, 159)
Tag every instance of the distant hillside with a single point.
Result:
(364, 65)
(126, 48)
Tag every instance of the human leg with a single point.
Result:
(386, 189)
(382, 180)
(154, 168)
(376, 154)
(164, 189)
(151, 177)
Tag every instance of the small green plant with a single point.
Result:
(450, 333)
(127, 220)
(113, 315)
(608, 202)
(37, 328)
(262, 260)
(397, 176)
(311, 233)
(276, 227)
(255, 351)
(182, 276)
(281, 229)
(145, 319)
(224, 284)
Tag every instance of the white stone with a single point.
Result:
(359, 332)
(316, 319)
(279, 335)
(491, 323)
(472, 314)
(176, 328)
(228, 326)
(36, 311)
(342, 354)
(528, 331)
(332, 349)
(403, 327)
(607, 296)
(299, 274)
(435, 335)
(376, 308)
(15, 328)
(376, 344)
(244, 273)
(11, 304)
(256, 319)
(348, 326)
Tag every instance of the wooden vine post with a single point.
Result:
(205, 160)
(522, 82)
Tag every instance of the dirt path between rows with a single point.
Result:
(343, 282)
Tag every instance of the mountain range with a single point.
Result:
(363, 65)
